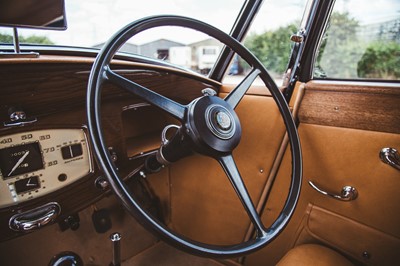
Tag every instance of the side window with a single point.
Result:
(269, 39)
(361, 41)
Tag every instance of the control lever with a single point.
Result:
(116, 247)
(171, 150)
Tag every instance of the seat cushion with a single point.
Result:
(311, 254)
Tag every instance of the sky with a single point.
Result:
(91, 22)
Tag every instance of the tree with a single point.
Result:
(349, 51)
(37, 40)
(6, 38)
(273, 47)
(380, 60)
(340, 49)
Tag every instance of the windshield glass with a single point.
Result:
(91, 23)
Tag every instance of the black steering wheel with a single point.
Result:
(210, 126)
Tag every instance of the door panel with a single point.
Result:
(353, 238)
(342, 129)
(336, 157)
(368, 106)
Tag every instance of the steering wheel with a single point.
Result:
(210, 126)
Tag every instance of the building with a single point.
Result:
(127, 48)
(386, 31)
(158, 49)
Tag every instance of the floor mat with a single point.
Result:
(165, 255)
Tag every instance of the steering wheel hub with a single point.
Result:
(215, 126)
(220, 122)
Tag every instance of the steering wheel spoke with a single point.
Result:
(228, 164)
(211, 128)
(173, 108)
(237, 94)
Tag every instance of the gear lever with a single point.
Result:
(116, 246)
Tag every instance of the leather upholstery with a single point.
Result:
(334, 157)
(311, 254)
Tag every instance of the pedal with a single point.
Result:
(101, 220)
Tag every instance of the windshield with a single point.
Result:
(91, 23)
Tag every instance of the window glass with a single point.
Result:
(269, 38)
(361, 41)
(92, 22)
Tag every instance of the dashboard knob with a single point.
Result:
(73, 222)
(101, 183)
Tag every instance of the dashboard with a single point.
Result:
(48, 172)
(35, 163)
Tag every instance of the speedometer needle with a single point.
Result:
(18, 163)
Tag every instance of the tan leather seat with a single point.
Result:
(311, 254)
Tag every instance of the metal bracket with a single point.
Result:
(18, 118)
(17, 50)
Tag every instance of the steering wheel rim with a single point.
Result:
(101, 72)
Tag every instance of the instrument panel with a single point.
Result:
(35, 163)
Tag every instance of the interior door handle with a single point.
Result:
(391, 157)
(348, 193)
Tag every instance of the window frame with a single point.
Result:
(315, 37)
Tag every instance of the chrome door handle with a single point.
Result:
(391, 157)
(348, 193)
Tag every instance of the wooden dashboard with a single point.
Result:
(51, 91)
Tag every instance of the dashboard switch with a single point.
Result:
(71, 151)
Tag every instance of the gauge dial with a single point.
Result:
(27, 184)
(35, 163)
(20, 159)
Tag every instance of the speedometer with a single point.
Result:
(39, 162)
(20, 159)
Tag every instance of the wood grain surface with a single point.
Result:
(53, 90)
(374, 107)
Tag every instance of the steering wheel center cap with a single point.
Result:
(220, 121)
(223, 120)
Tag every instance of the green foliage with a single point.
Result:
(345, 54)
(340, 49)
(37, 40)
(272, 48)
(6, 38)
(380, 60)
(342, 27)
(342, 54)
